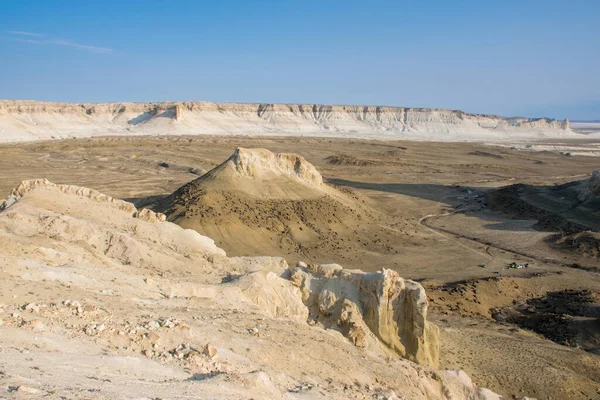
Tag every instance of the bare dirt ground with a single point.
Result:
(530, 331)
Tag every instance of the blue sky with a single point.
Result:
(527, 57)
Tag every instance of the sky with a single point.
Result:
(527, 57)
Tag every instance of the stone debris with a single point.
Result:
(94, 329)
(37, 325)
(387, 395)
(209, 351)
(184, 350)
(301, 387)
(152, 325)
(32, 307)
(169, 323)
(75, 305)
(28, 389)
(152, 337)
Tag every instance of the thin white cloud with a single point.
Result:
(58, 42)
(26, 40)
(23, 33)
(93, 49)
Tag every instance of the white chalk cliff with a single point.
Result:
(33, 120)
(371, 309)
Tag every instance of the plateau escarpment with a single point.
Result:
(32, 120)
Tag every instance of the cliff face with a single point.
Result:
(260, 163)
(32, 120)
(370, 309)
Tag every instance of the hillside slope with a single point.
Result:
(33, 120)
(262, 203)
(100, 300)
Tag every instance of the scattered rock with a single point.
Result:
(151, 325)
(184, 350)
(37, 325)
(152, 337)
(254, 331)
(167, 324)
(301, 387)
(28, 389)
(209, 351)
(94, 329)
(31, 307)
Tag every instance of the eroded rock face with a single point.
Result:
(28, 186)
(60, 120)
(261, 162)
(589, 188)
(370, 309)
(594, 184)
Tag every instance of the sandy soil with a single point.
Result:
(430, 220)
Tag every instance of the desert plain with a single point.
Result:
(446, 215)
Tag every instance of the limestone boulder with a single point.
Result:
(378, 310)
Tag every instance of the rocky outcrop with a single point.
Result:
(370, 308)
(273, 295)
(588, 189)
(32, 120)
(30, 185)
(132, 294)
(261, 163)
(178, 113)
(594, 183)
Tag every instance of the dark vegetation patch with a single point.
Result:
(584, 243)
(485, 154)
(345, 159)
(567, 317)
(509, 200)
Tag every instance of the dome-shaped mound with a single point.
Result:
(263, 203)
